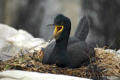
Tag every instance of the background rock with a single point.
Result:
(34, 15)
(23, 14)
(105, 21)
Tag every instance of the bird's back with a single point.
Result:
(80, 54)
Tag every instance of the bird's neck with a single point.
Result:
(62, 44)
(63, 41)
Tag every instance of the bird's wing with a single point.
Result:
(48, 51)
(80, 53)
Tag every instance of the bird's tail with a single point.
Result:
(82, 29)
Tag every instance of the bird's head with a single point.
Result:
(62, 27)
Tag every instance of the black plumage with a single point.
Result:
(80, 54)
(58, 52)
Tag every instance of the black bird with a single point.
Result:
(62, 55)
(81, 31)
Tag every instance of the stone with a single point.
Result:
(14, 41)
(25, 75)
(113, 78)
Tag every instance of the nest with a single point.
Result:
(105, 64)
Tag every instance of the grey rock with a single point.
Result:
(14, 41)
(118, 51)
(113, 78)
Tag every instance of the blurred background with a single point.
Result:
(34, 15)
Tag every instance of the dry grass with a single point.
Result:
(109, 61)
(106, 64)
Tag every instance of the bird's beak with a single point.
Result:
(57, 31)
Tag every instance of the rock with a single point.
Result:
(110, 51)
(14, 41)
(118, 51)
(113, 78)
(24, 39)
(24, 75)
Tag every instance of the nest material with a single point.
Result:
(106, 64)
(109, 61)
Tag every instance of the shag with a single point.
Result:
(59, 53)
(81, 31)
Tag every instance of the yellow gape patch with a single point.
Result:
(58, 30)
